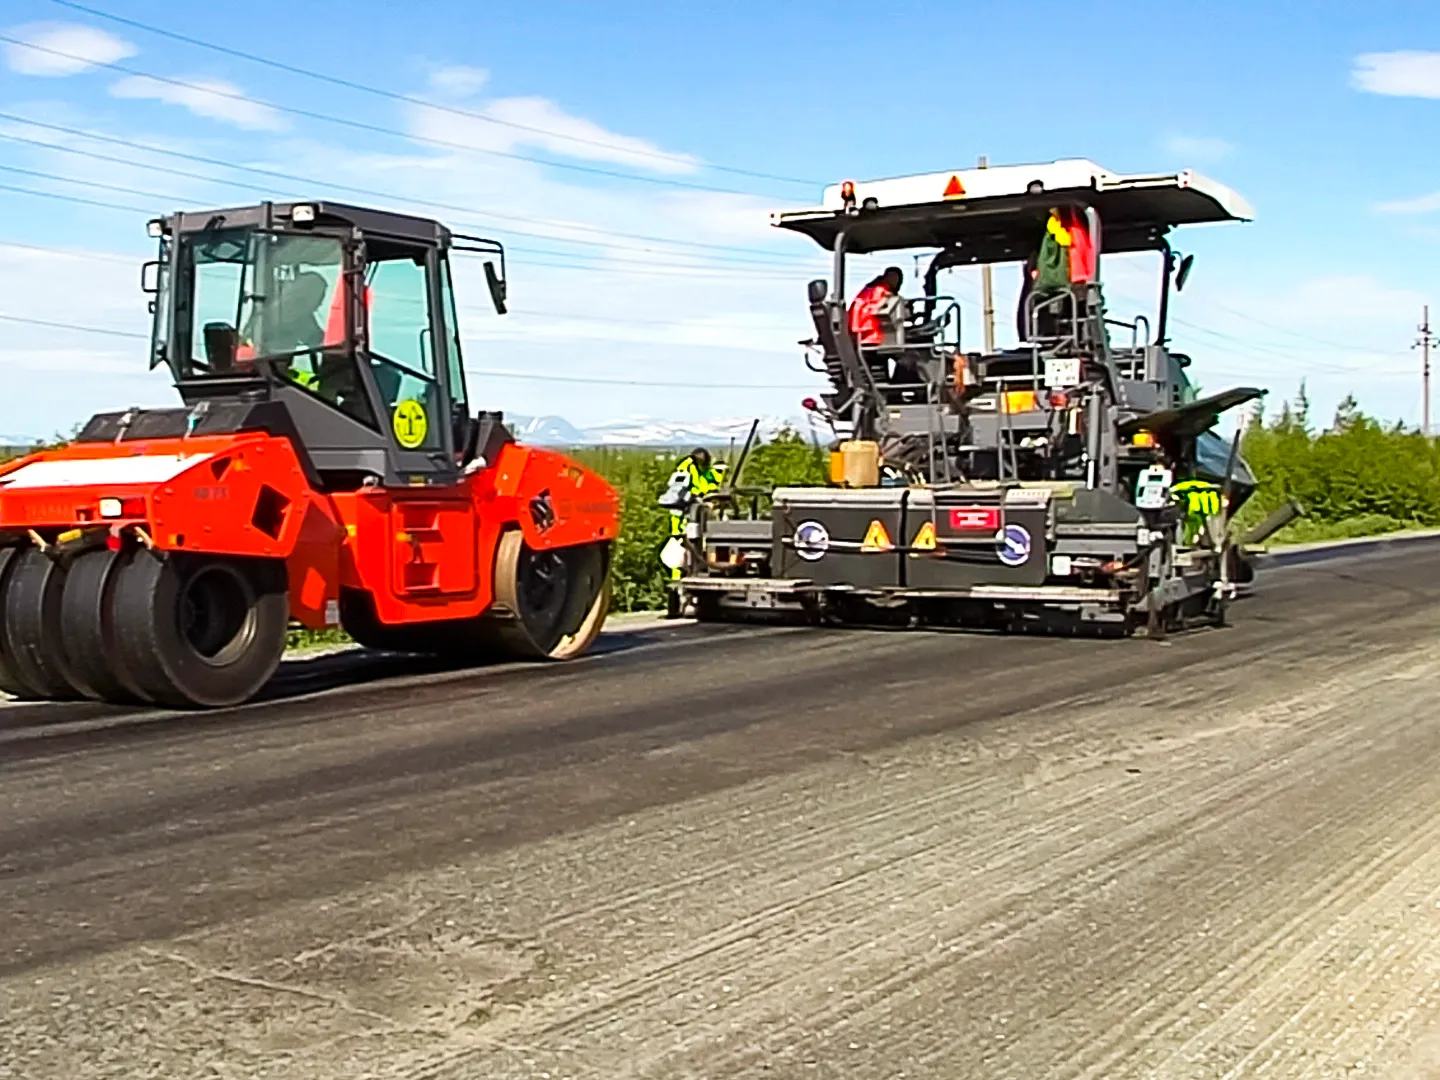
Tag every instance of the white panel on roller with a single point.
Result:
(101, 472)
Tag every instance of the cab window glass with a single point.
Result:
(454, 357)
(402, 351)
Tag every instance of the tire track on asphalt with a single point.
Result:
(1023, 843)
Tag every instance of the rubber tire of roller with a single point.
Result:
(34, 642)
(10, 682)
(586, 604)
(151, 640)
(87, 620)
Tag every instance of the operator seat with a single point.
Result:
(817, 291)
(843, 362)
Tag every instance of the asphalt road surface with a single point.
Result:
(726, 852)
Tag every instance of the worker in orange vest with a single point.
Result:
(864, 321)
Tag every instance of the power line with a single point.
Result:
(73, 199)
(1297, 353)
(271, 193)
(1288, 331)
(103, 330)
(106, 331)
(629, 267)
(648, 266)
(618, 320)
(657, 269)
(361, 125)
(96, 184)
(1302, 335)
(391, 95)
(493, 373)
(330, 184)
(586, 317)
(67, 253)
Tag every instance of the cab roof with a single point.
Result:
(997, 214)
(380, 223)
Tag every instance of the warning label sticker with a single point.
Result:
(955, 189)
(925, 538)
(876, 538)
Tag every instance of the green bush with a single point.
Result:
(1355, 477)
(640, 475)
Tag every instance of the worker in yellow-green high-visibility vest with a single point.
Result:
(1201, 500)
(703, 477)
(693, 478)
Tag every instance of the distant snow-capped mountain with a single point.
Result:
(545, 430)
(635, 431)
(638, 431)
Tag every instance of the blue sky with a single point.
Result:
(613, 148)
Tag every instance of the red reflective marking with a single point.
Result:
(975, 518)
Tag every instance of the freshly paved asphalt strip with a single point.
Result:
(725, 851)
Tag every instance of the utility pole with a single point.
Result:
(987, 289)
(1423, 343)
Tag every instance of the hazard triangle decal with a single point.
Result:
(876, 538)
(954, 189)
(925, 538)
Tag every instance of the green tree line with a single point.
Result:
(641, 475)
(1356, 476)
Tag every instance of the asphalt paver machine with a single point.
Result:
(1027, 486)
(324, 470)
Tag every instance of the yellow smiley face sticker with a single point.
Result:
(410, 424)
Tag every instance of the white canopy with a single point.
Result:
(969, 205)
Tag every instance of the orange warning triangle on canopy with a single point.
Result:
(954, 188)
(876, 538)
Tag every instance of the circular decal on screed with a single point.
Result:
(411, 424)
(1014, 545)
(811, 540)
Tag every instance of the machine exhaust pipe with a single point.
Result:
(1273, 524)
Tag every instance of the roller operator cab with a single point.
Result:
(327, 469)
(974, 483)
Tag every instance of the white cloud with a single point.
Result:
(1420, 204)
(1398, 74)
(585, 302)
(1340, 301)
(458, 81)
(56, 377)
(1199, 147)
(57, 49)
(215, 99)
(537, 122)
